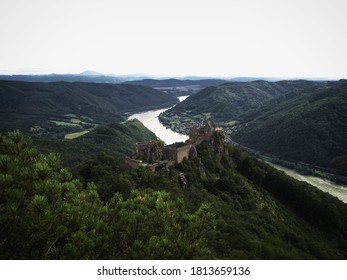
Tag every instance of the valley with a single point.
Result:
(231, 206)
(168, 135)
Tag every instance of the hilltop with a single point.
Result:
(226, 102)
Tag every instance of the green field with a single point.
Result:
(71, 136)
(76, 121)
(61, 123)
(70, 115)
(229, 123)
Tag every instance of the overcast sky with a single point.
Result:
(263, 38)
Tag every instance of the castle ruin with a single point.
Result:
(204, 133)
(156, 155)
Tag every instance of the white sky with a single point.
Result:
(282, 38)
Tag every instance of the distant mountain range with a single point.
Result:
(173, 86)
(96, 77)
(87, 76)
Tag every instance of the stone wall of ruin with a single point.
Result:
(150, 152)
(183, 152)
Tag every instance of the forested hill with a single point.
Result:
(116, 139)
(233, 207)
(310, 127)
(29, 106)
(226, 102)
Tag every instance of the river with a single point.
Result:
(151, 121)
(324, 185)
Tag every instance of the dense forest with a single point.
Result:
(225, 103)
(308, 127)
(234, 207)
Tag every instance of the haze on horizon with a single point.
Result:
(218, 38)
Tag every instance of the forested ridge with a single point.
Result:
(235, 207)
(59, 108)
(226, 102)
(308, 127)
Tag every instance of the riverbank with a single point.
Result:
(150, 119)
(324, 185)
(321, 182)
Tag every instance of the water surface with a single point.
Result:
(324, 185)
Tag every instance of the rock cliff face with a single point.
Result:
(217, 142)
(210, 133)
(193, 153)
(204, 133)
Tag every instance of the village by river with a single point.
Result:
(151, 121)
